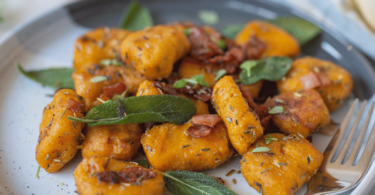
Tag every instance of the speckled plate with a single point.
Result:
(48, 42)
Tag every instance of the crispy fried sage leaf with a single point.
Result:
(208, 17)
(135, 17)
(52, 77)
(271, 69)
(302, 30)
(141, 109)
(194, 183)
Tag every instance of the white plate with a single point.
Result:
(48, 41)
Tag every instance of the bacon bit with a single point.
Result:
(254, 48)
(199, 131)
(261, 111)
(247, 95)
(128, 175)
(73, 105)
(204, 96)
(266, 121)
(210, 120)
(112, 90)
(313, 80)
(165, 89)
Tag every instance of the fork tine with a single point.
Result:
(357, 145)
(342, 128)
(344, 149)
(369, 150)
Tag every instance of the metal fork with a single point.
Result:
(336, 175)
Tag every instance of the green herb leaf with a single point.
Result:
(221, 44)
(208, 17)
(37, 172)
(180, 84)
(302, 30)
(107, 62)
(271, 69)
(232, 30)
(143, 163)
(248, 65)
(52, 77)
(187, 31)
(141, 109)
(200, 79)
(135, 17)
(276, 110)
(261, 149)
(269, 139)
(197, 79)
(193, 183)
(220, 73)
(98, 79)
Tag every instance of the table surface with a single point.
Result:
(16, 12)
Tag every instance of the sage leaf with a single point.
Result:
(208, 17)
(194, 183)
(302, 30)
(261, 149)
(220, 73)
(221, 44)
(180, 84)
(269, 139)
(135, 17)
(143, 163)
(271, 69)
(197, 79)
(52, 77)
(276, 110)
(231, 30)
(141, 109)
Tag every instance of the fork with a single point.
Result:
(336, 175)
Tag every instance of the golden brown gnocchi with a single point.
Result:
(153, 51)
(59, 137)
(332, 82)
(243, 125)
(120, 142)
(304, 112)
(170, 147)
(112, 177)
(96, 45)
(290, 162)
(277, 41)
(115, 74)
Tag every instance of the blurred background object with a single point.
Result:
(366, 9)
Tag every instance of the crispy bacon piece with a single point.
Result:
(112, 90)
(203, 96)
(254, 48)
(128, 175)
(200, 92)
(165, 89)
(210, 120)
(73, 105)
(313, 80)
(247, 95)
(202, 47)
(266, 121)
(199, 131)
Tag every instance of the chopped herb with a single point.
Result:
(195, 80)
(62, 114)
(234, 181)
(187, 31)
(228, 119)
(106, 164)
(107, 62)
(284, 164)
(261, 164)
(297, 94)
(208, 17)
(276, 110)
(149, 148)
(269, 139)
(37, 172)
(221, 44)
(220, 73)
(279, 101)
(205, 149)
(265, 170)
(138, 182)
(47, 157)
(197, 154)
(248, 65)
(56, 160)
(98, 79)
(295, 120)
(185, 146)
(230, 173)
(261, 149)
(300, 135)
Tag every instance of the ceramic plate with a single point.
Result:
(48, 42)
